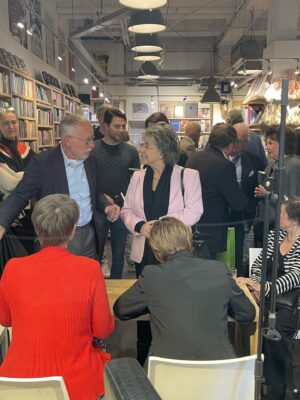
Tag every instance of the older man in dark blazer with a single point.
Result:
(67, 169)
(220, 189)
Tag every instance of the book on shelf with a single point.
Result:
(23, 108)
(27, 129)
(57, 99)
(22, 86)
(4, 103)
(45, 137)
(42, 93)
(176, 124)
(57, 114)
(4, 83)
(45, 117)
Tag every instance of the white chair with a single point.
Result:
(254, 252)
(3, 341)
(203, 380)
(49, 388)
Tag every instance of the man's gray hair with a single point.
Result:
(53, 218)
(234, 116)
(69, 123)
(166, 141)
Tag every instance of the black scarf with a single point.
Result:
(156, 204)
(16, 162)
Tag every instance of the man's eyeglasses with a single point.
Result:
(87, 141)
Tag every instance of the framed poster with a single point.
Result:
(140, 110)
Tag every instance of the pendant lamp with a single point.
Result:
(143, 4)
(147, 56)
(148, 71)
(146, 43)
(147, 21)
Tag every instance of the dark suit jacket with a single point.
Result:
(44, 175)
(189, 300)
(220, 191)
(250, 167)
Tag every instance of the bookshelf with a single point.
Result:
(39, 107)
(181, 113)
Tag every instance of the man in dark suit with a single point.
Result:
(220, 190)
(247, 166)
(188, 298)
(67, 169)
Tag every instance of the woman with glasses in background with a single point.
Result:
(14, 157)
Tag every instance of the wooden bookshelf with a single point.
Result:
(39, 107)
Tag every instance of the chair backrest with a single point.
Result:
(49, 388)
(206, 380)
(254, 252)
(125, 379)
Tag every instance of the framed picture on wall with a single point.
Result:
(167, 108)
(140, 110)
(203, 111)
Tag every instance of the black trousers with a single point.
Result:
(278, 355)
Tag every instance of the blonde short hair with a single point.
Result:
(168, 236)
(53, 218)
(5, 111)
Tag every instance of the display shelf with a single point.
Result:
(39, 107)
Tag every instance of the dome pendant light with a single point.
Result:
(147, 21)
(143, 4)
(148, 71)
(146, 43)
(147, 56)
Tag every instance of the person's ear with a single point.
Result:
(72, 233)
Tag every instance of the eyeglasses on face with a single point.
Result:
(146, 146)
(87, 141)
(8, 123)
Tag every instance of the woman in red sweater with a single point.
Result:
(56, 303)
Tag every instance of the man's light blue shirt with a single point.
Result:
(79, 188)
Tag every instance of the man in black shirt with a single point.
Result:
(115, 158)
(98, 132)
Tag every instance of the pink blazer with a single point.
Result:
(188, 210)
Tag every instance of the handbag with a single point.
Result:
(199, 240)
(288, 300)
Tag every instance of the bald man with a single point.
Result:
(189, 142)
(247, 166)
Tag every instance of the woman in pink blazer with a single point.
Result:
(156, 192)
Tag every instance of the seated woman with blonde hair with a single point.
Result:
(176, 293)
(56, 303)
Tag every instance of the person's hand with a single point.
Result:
(146, 229)
(16, 223)
(2, 231)
(109, 199)
(259, 191)
(242, 280)
(112, 212)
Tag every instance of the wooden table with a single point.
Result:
(116, 287)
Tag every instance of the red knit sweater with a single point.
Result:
(56, 302)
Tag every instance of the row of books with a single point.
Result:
(57, 114)
(23, 108)
(27, 129)
(4, 83)
(57, 99)
(45, 137)
(42, 93)
(70, 106)
(44, 117)
(180, 124)
(22, 86)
